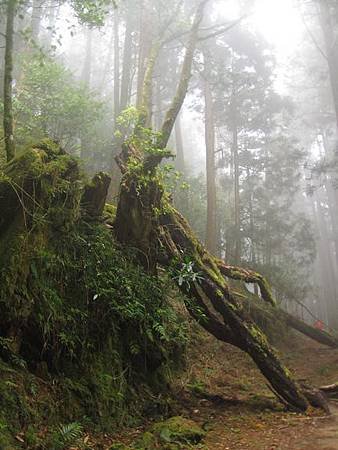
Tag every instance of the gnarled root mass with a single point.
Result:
(163, 236)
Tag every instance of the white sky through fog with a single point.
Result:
(280, 23)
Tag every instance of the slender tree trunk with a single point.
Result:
(183, 84)
(180, 163)
(116, 67)
(8, 121)
(107, 65)
(237, 253)
(332, 196)
(211, 231)
(52, 17)
(87, 65)
(36, 18)
(2, 55)
(326, 264)
(331, 45)
(127, 62)
(144, 48)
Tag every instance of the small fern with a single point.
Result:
(66, 435)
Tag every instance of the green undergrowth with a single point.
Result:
(176, 433)
(87, 337)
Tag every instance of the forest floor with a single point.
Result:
(223, 391)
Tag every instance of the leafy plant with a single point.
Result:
(185, 275)
(66, 435)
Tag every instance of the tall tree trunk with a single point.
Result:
(87, 65)
(36, 18)
(2, 55)
(237, 252)
(179, 162)
(127, 62)
(185, 75)
(144, 48)
(331, 44)
(325, 257)
(53, 13)
(107, 65)
(116, 67)
(211, 231)
(8, 121)
(332, 195)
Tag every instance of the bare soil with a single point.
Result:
(223, 391)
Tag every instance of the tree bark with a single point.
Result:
(237, 253)
(87, 65)
(127, 63)
(179, 161)
(160, 234)
(331, 46)
(36, 18)
(183, 84)
(8, 121)
(116, 67)
(211, 231)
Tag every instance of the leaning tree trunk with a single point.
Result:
(148, 222)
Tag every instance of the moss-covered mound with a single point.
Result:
(79, 321)
(176, 433)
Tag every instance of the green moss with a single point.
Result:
(172, 434)
(77, 307)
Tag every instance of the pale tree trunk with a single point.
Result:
(327, 19)
(108, 62)
(36, 18)
(144, 48)
(87, 65)
(127, 63)
(52, 17)
(8, 121)
(116, 67)
(211, 231)
(326, 263)
(237, 221)
(179, 161)
(332, 195)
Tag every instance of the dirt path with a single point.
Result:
(223, 391)
(248, 417)
(325, 435)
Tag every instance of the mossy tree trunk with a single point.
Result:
(147, 221)
(8, 81)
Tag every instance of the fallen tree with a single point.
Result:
(147, 221)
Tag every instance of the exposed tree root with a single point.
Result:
(148, 222)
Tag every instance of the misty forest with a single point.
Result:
(169, 224)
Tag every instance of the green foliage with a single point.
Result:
(184, 274)
(66, 436)
(175, 433)
(87, 315)
(92, 12)
(50, 103)
(132, 132)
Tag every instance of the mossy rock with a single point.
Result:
(172, 434)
